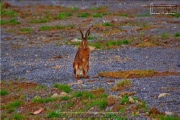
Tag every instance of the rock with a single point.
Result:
(111, 100)
(131, 100)
(76, 40)
(91, 109)
(55, 95)
(79, 82)
(163, 95)
(169, 113)
(63, 94)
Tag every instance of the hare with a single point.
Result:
(81, 60)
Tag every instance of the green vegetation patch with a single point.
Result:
(117, 43)
(165, 35)
(177, 15)
(18, 116)
(177, 34)
(83, 15)
(65, 98)
(83, 94)
(57, 27)
(125, 100)
(107, 24)
(123, 15)
(64, 15)
(25, 30)
(102, 104)
(9, 13)
(129, 74)
(97, 15)
(3, 92)
(63, 87)
(12, 21)
(56, 114)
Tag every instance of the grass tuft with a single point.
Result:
(63, 87)
(177, 15)
(12, 21)
(56, 114)
(117, 43)
(18, 116)
(25, 30)
(107, 24)
(97, 15)
(57, 27)
(84, 94)
(124, 100)
(3, 92)
(65, 98)
(83, 15)
(64, 15)
(102, 104)
(177, 34)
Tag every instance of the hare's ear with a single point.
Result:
(81, 33)
(87, 33)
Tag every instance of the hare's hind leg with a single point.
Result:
(85, 73)
(76, 72)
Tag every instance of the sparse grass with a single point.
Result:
(3, 92)
(43, 19)
(74, 8)
(177, 34)
(177, 15)
(43, 100)
(12, 21)
(129, 74)
(168, 118)
(18, 116)
(84, 94)
(9, 13)
(96, 45)
(57, 27)
(56, 114)
(11, 106)
(117, 43)
(124, 83)
(102, 104)
(25, 30)
(83, 15)
(97, 15)
(165, 35)
(63, 87)
(107, 24)
(124, 100)
(124, 15)
(64, 15)
(65, 98)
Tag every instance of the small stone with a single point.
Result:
(63, 94)
(169, 113)
(163, 95)
(91, 109)
(55, 95)
(131, 100)
(79, 82)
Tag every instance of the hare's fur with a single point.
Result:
(81, 60)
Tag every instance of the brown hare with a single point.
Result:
(81, 60)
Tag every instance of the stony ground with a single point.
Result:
(45, 57)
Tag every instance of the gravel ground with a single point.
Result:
(49, 63)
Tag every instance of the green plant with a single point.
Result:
(97, 15)
(124, 83)
(12, 21)
(56, 114)
(125, 100)
(85, 94)
(57, 27)
(64, 15)
(14, 104)
(177, 15)
(177, 34)
(117, 43)
(8, 12)
(124, 15)
(65, 98)
(90, 37)
(3, 92)
(18, 116)
(42, 19)
(25, 30)
(164, 35)
(101, 103)
(107, 24)
(43, 100)
(63, 87)
(84, 15)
